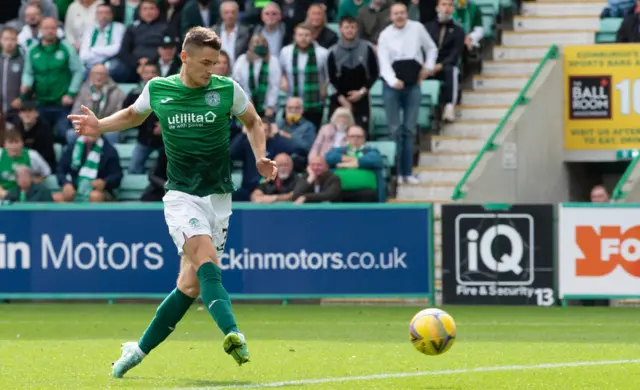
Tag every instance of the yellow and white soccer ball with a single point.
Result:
(432, 331)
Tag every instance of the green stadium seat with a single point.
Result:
(489, 7)
(58, 149)
(507, 4)
(489, 23)
(431, 90)
(125, 152)
(51, 182)
(127, 87)
(387, 149)
(129, 136)
(236, 177)
(335, 27)
(610, 25)
(132, 186)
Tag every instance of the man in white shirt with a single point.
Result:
(403, 66)
(80, 16)
(304, 73)
(235, 36)
(30, 33)
(101, 41)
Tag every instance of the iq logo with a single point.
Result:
(494, 249)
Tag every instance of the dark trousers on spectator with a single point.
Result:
(314, 116)
(450, 76)
(121, 72)
(407, 101)
(241, 195)
(56, 116)
(360, 196)
(361, 110)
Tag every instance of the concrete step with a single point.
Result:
(479, 129)
(501, 53)
(439, 191)
(501, 97)
(548, 38)
(485, 83)
(441, 160)
(444, 143)
(439, 175)
(509, 67)
(564, 23)
(475, 113)
(536, 8)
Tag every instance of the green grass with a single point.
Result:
(71, 346)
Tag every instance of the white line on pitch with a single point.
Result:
(415, 374)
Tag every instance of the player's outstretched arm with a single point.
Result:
(87, 123)
(257, 139)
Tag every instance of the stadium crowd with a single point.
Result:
(310, 83)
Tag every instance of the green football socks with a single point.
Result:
(169, 313)
(215, 297)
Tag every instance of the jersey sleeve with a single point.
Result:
(240, 100)
(142, 105)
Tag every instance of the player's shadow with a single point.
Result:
(201, 383)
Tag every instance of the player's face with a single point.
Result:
(200, 64)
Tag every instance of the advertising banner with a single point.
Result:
(497, 256)
(307, 251)
(599, 251)
(602, 97)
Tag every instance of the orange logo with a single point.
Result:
(604, 251)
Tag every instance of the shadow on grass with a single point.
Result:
(196, 383)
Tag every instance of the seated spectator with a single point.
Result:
(36, 133)
(353, 69)
(157, 180)
(629, 31)
(31, 32)
(14, 153)
(280, 189)
(617, 8)
(333, 134)
(199, 13)
(317, 20)
(167, 61)
(222, 68)
(450, 38)
(599, 194)
(80, 16)
(373, 19)
(258, 73)
(295, 127)
(103, 96)
(140, 43)
(102, 41)
(350, 8)
(320, 185)
(234, 35)
(11, 66)
(469, 16)
(149, 132)
(27, 190)
(241, 151)
(358, 167)
(89, 171)
(273, 28)
(54, 73)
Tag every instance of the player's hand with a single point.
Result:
(86, 124)
(267, 168)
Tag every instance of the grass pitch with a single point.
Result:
(71, 346)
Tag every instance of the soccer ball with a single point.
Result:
(432, 331)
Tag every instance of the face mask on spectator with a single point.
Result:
(442, 17)
(260, 50)
(293, 118)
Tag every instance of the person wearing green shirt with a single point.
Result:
(350, 8)
(468, 15)
(27, 190)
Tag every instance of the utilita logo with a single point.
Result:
(606, 250)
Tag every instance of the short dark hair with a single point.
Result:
(347, 19)
(304, 26)
(107, 5)
(201, 37)
(9, 29)
(154, 2)
(152, 64)
(12, 135)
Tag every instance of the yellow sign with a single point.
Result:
(602, 97)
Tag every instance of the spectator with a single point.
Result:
(102, 96)
(62, 6)
(149, 132)
(36, 133)
(80, 16)
(350, 8)
(26, 190)
(258, 73)
(353, 69)
(125, 11)
(53, 72)
(617, 8)
(273, 28)
(31, 32)
(469, 16)
(234, 35)
(280, 189)
(304, 69)
(373, 19)
(168, 62)
(294, 12)
(46, 7)
(358, 166)
(93, 166)
(171, 13)
(629, 31)
(333, 134)
(102, 41)
(157, 180)
(599, 194)
(11, 66)
(241, 151)
(14, 153)
(296, 128)
(317, 20)
(450, 38)
(222, 68)
(320, 185)
(426, 10)
(199, 13)
(401, 49)
(140, 43)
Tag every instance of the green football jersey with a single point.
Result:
(195, 125)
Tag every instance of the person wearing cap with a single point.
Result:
(101, 41)
(168, 62)
(36, 132)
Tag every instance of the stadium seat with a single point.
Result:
(387, 149)
(126, 150)
(51, 182)
(608, 29)
(58, 149)
(335, 27)
(127, 87)
(236, 177)
(132, 186)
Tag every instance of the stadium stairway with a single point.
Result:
(539, 25)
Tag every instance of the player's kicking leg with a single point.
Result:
(169, 313)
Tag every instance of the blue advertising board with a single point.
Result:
(280, 252)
